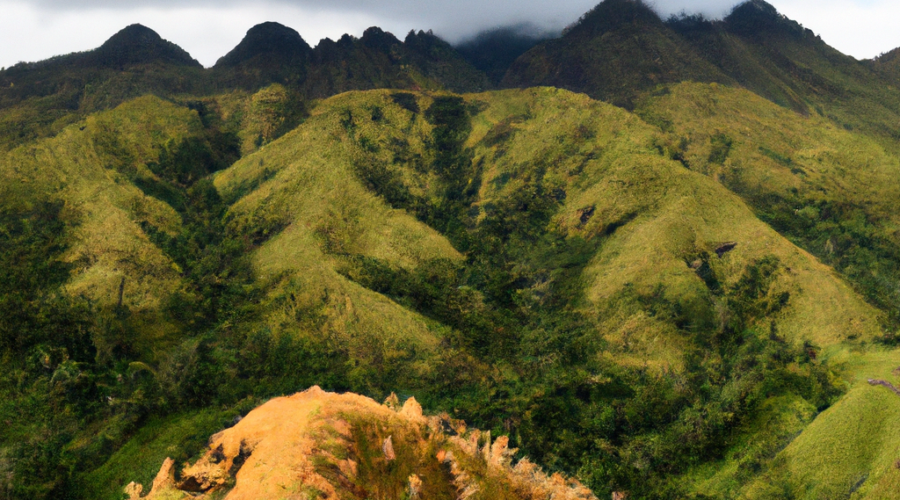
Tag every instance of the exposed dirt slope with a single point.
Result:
(317, 444)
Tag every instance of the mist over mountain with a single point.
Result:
(650, 256)
(494, 50)
(623, 49)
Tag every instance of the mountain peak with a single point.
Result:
(376, 38)
(138, 44)
(611, 14)
(134, 33)
(267, 39)
(755, 17)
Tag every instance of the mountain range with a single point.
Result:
(660, 257)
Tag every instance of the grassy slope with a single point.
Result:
(308, 199)
(815, 161)
(808, 178)
(673, 202)
(849, 450)
(674, 215)
(88, 167)
(299, 196)
(619, 48)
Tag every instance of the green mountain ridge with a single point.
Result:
(683, 296)
(40, 99)
(270, 39)
(622, 49)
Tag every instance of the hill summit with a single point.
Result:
(325, 445)
(138, 44)
(268, 39)
(758, 18)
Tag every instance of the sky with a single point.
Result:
(32, 30)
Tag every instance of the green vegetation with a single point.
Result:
(518, 302)
(180, 437)
(681, 301)
(815, 183)
(489, 284)
(510, 327)
(622, 50)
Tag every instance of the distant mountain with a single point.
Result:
(493, 51)
(269, 52)
(134, 46)
(618, 48)
(36, 98)
(271, 41)
(623, 49)
(137, 44)
(274, 53)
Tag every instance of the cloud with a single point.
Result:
(37, 29)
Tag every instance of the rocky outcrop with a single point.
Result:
(317, 444)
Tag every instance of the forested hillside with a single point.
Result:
(677, 284)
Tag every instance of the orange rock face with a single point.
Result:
(324, 445)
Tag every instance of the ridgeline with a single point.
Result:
(652, 258)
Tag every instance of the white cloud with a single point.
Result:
(28, 33)
(861, 28)
(34, 30)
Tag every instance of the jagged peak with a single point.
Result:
(138, 44)
(269, 38)
(376, 38)
(425, 41)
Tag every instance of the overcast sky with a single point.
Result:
(32, 30)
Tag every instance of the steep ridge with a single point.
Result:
(40, 99)
(806, 177)
(619, 48)
(458, 247)
(272, 53)
(346, 446)
(888, 65)
(626, 295)
(380, 60)
(622, 49)
(138, 44)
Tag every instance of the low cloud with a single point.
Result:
(37, 29)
